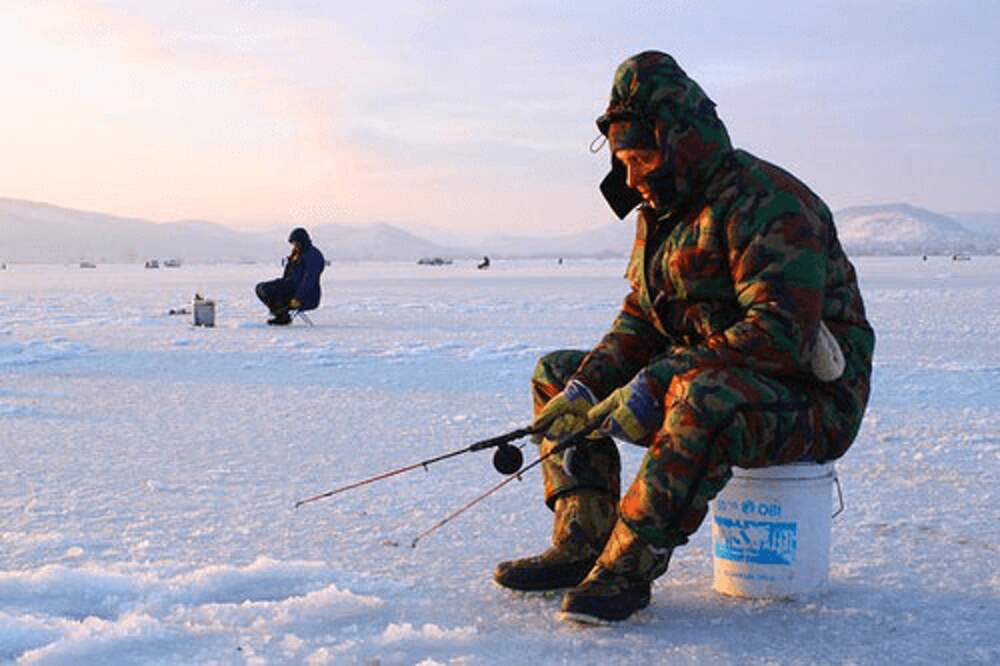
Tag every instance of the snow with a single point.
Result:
(151, 469)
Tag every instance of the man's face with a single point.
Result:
(639, 163)
(296, 246)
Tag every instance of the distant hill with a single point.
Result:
(41, 232)
(987, 224)
(376, 242)
(904, 229)
(875, 230)
(613, 239)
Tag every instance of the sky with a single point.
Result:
(475, 117)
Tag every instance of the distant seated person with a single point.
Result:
(484, 264)
(298, 288)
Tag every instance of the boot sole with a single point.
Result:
(594, 610)
(551, 592)
(588, 620)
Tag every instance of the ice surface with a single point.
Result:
(150, 469)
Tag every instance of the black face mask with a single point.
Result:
(661, 183)
(616, 191)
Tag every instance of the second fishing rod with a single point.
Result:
(507, 460)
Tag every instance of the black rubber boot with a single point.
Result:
(620, 582)
(280, 319)
(582, 524)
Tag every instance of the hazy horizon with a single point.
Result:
(474, 120)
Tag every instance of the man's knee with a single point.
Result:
(705, 390)
(748, 419)
(555, 368)
(722, 391)
(552, 372)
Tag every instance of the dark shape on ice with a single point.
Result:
(433, 261)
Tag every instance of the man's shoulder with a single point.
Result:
(757, 188)
(759, 176)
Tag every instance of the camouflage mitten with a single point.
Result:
(620, 582)
(564, 411)
(583, 522)
(632, 412)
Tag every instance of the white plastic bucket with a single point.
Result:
(204, 313)
(771, 531)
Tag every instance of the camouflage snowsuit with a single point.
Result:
(731, 274)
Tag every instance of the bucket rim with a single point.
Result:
(799, 471)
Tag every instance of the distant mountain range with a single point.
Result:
(41, 232)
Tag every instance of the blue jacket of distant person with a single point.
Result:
(304, 269)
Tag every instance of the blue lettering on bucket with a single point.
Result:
(726, 506)
(773, 510)
(756, 541)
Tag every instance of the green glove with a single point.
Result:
(632, 412)
(566, 412)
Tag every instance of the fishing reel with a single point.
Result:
(507, 459)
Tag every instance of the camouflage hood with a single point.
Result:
(665, 110)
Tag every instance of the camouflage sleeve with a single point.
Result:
(778, 268)
(624, 350)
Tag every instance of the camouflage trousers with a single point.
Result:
(714, 419)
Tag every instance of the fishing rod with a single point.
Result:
(507, 460)
(563, 444)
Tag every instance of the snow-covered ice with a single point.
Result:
(150, 470)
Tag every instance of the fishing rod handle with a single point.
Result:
(500, 440)
(577, 438)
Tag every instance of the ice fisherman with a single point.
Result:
(725, 351)
(298, 288)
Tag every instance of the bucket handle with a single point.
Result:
(840, 497)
